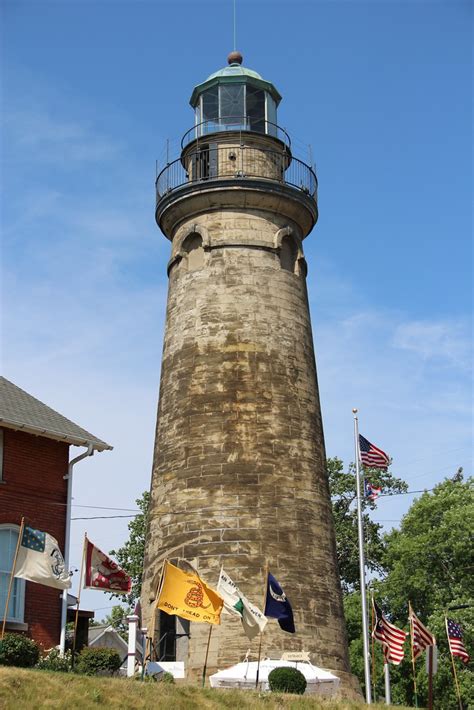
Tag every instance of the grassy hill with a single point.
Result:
(34, 689)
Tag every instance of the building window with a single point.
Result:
(8, 543)
(288, 254)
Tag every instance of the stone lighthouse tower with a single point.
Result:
(239, 474)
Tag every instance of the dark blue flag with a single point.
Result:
(277, 605)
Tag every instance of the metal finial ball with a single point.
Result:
(235, 58)
(354, 411)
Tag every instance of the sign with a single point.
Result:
(176, 668)
(296, 656)
(434, 651)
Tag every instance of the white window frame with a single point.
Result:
(19, 583)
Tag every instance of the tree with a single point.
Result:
(429, 561)
(343, 493)
(130, 555)
(118, 620)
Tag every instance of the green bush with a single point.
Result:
(166, 678)
(98, 661)
(18, 650)
(53, 661)
(287, 680)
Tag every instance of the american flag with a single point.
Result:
(456, 645)
(391, 638)
(372, 456)
(421, 637)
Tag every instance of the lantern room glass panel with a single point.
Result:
(256, 109)
(271, 115)
(232, 105)
(210, 110)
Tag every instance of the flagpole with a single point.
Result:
(458, 691)
(412, 639)
(204, 670)
(152, 631)
(76, 617)
(261, 632)
(430, 677)
(368, 693)
(386, 671)
(373, 650)
(12, 576)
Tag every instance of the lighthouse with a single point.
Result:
(239, 473)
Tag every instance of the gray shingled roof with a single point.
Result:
(19, 410)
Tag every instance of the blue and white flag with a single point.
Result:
(277, 606)
(40, 560)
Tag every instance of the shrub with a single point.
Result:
(166, 678)
(98, 661)
(18, 650)
(287, 680)
(53, 661)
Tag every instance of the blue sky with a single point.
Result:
(382, 92)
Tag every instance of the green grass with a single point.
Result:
(30, 689)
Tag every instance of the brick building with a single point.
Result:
(34, 479)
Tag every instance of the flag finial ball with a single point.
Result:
(235, 58)
(354, 411)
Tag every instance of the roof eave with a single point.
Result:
(97, 444)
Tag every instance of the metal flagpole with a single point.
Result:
(12, 575)
(374, 680)
(368, 690)
(78, 601)
(386, 670)
(430, 678)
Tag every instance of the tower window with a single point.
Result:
(288, 254)
(192, 246)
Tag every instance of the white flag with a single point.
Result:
(40, 560)
(235, 603)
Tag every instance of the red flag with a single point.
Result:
(104, 573)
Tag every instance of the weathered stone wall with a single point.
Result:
(239, 475)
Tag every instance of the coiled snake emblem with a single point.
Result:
(195, 597)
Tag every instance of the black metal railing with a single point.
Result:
(235, 123)
(236, 163)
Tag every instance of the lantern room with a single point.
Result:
(235, 98)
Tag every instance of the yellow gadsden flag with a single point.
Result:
(186, 595)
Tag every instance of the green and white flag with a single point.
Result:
(235, 603)
(40, 560)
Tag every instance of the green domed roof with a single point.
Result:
(235, 70)
(235, 73)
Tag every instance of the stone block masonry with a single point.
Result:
(239, 473)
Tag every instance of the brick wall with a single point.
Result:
(33, 486)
